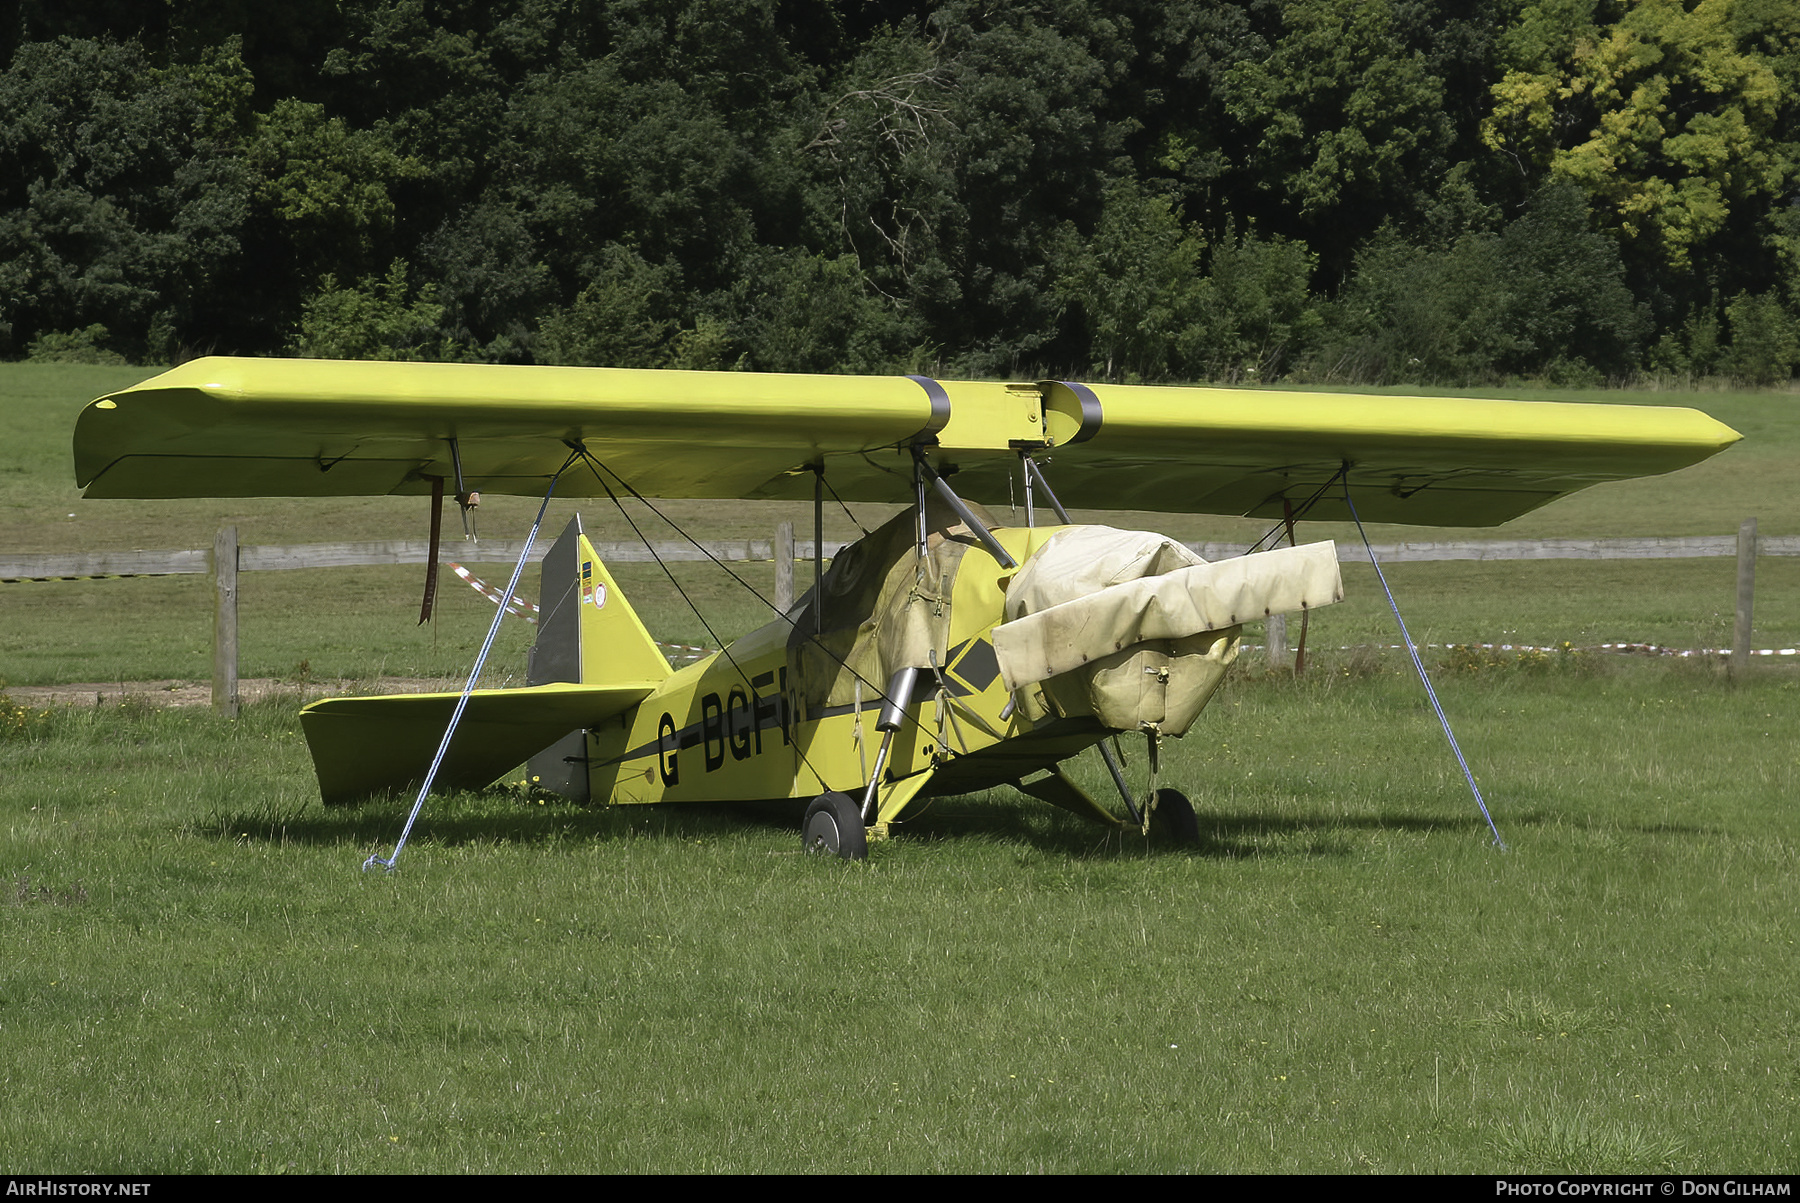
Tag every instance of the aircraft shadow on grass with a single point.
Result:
(502, 816)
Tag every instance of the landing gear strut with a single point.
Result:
(1166, 812)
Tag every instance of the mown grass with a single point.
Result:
(1343, 976)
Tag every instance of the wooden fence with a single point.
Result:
(276, 558)
(226, 559)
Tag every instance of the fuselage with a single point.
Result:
(759, 719)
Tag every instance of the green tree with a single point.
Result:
(330, 185)
(601, 159)
(1666, 114)
(492, 279)
(122, 197)
(1544, 297)
(1694, 347)
(1136, 283)
(949, 156)
(376, 318)
(76, 346)
(1257, 314)
(1343, 121)
(624, 318)
(1765, 339)
(882, 185)
(799, 312)
(1410, 313)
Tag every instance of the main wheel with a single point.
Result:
(834, 826)
(1173, 818)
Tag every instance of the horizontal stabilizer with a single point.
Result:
(367, 746)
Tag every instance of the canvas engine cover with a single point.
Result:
(1135, 630)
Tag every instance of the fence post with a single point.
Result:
(784, 567)
(225, 625)
(1275, 635)
(1739, 668)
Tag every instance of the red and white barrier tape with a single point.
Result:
(529, 612)
(518, 605)
(1637, 649)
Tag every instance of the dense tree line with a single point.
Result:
(1367, 190)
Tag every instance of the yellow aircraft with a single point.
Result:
(941, 654)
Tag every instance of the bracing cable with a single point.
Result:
(602, 472)
(1287, 522)
(834, 496)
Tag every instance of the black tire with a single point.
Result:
(834, 825)
(1173, 819)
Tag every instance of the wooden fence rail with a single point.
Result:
(226, 559)
(276, 557)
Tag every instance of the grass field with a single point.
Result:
(1344, 976)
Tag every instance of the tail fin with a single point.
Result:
(588, 634)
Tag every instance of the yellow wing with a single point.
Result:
(258, 427)
(273, 427)
(1432, 461)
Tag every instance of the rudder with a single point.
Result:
(588, 634)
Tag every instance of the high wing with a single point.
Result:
(272, 427)
(224, 427)
(1430, 461)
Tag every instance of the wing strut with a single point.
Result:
(467, 500)
(1033, 472)
(1419, 665)
(819, 549)
(976, 526)
(1287, 511)
(1118, 776)
(431, 558)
